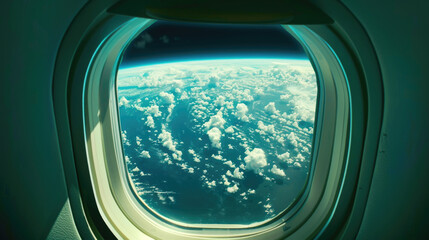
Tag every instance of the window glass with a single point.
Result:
(216, 121)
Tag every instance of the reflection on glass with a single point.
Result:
(225, 141)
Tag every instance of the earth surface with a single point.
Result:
(218, 141)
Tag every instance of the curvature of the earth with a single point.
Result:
(219, 141)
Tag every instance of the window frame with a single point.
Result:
(116, 201)
(345, 36)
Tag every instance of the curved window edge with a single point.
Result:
(102, 130)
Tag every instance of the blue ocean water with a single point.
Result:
(229, 141)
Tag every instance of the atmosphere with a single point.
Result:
(166, 41)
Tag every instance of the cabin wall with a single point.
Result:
(34, 200)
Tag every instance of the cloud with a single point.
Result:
(255, 160)
(214, 136)
(271, 108)
(166, 140)
(241, 112)
(153, 110)
(124, 102)
(293, 139)
(220, 101)
(211, 184)
(215, 121)
(213, 80)
(230, 129)
(232, 189)
(167, 98)
(237, 174)
(145, 154)
(217, 157)
(184, 96)
(225, 180)
(124, 138)
(138, 141)
(297, 165)
(300, 158)
(230, 164)
(266, 128)
(278, 171)
(285, 157)
(149, 122)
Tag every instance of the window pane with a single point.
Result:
(219, 141)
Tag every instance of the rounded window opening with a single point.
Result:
(217, 122)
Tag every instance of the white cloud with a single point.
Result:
(232, 189)
(225, 180)
(124, 102)
(241, 112)
(138, 141)
(293, 139)
(145, 154)
(271, 108)
(266, 128)
(255, 160)
(297, 165)
(214, 136)
(285, 157)
(149, 122)
(278, 171)
(300, 158)
(237, 174)
(230, 129)
(230, 164)
(166, 140)
(153, 110)
(217, 157)
(184, 96)
(215, 121)
(211, 184)
(167, 98)
(213, 80)
(220, 101)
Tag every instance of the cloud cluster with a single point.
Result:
(255, 160)
(215, 121)
(266, 128)
(167, 98)
(241, 112)
(271, 108)
(145, 154)
(278, 171)
(149, 122)
(232, 189)
(214, 136)
(237, 174)
(166, 140)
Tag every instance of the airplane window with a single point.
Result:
(216, 121)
